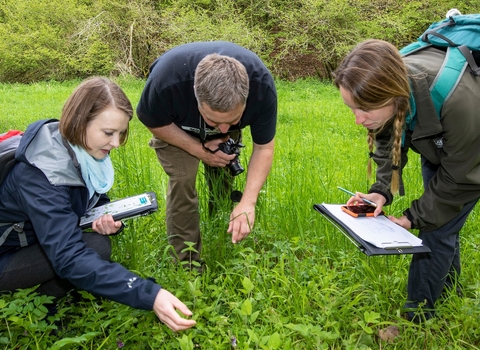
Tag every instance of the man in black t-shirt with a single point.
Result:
(196, 97)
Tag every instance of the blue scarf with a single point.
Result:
(97, 174)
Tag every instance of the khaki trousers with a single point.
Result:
(182, 211)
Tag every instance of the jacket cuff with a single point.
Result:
(410, 218)
(152, 289)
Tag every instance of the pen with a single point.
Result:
(353, 195)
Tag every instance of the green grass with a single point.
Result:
(295, 283)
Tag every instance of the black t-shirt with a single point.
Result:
(168, 96)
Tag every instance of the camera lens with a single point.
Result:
(235, 167)
(236, 196)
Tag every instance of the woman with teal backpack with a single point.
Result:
(390, 96)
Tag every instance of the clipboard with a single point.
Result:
(365, 247)
(126, 208)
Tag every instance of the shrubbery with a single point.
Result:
(65, 39)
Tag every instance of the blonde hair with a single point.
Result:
(375, 75)
(221, 82)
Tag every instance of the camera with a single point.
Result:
(232, 147)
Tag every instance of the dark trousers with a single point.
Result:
(430, 273)
(30, 267)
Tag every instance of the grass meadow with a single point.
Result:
(295, 283)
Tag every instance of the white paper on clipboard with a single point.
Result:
(379, 231)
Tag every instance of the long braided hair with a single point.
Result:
(375, 75)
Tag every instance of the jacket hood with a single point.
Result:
(43, 147)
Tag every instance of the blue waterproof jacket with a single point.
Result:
(45, 190)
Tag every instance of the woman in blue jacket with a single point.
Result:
(63, 169)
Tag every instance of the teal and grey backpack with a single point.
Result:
(459, 35)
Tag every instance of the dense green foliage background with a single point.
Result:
(65, 39)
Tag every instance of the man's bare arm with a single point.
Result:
(242, 218)
(175, 136)
(258, 170)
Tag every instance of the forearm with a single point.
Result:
(258, 170)
(175, 136)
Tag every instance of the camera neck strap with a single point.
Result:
(202, 126)
(208, 149)
(203, 135)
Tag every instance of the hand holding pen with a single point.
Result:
(355, 195)
(374, 199)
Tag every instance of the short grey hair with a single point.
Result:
(221, 82)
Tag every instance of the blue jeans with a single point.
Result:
(430, 273)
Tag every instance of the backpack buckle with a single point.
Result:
(18, 226)
(438, 142)
(475, 72)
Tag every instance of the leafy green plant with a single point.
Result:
(25, 319)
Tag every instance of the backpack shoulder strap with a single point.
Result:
(414, 47)
(6, 164)
(474, 69)
(447, 77)
(18, 227)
